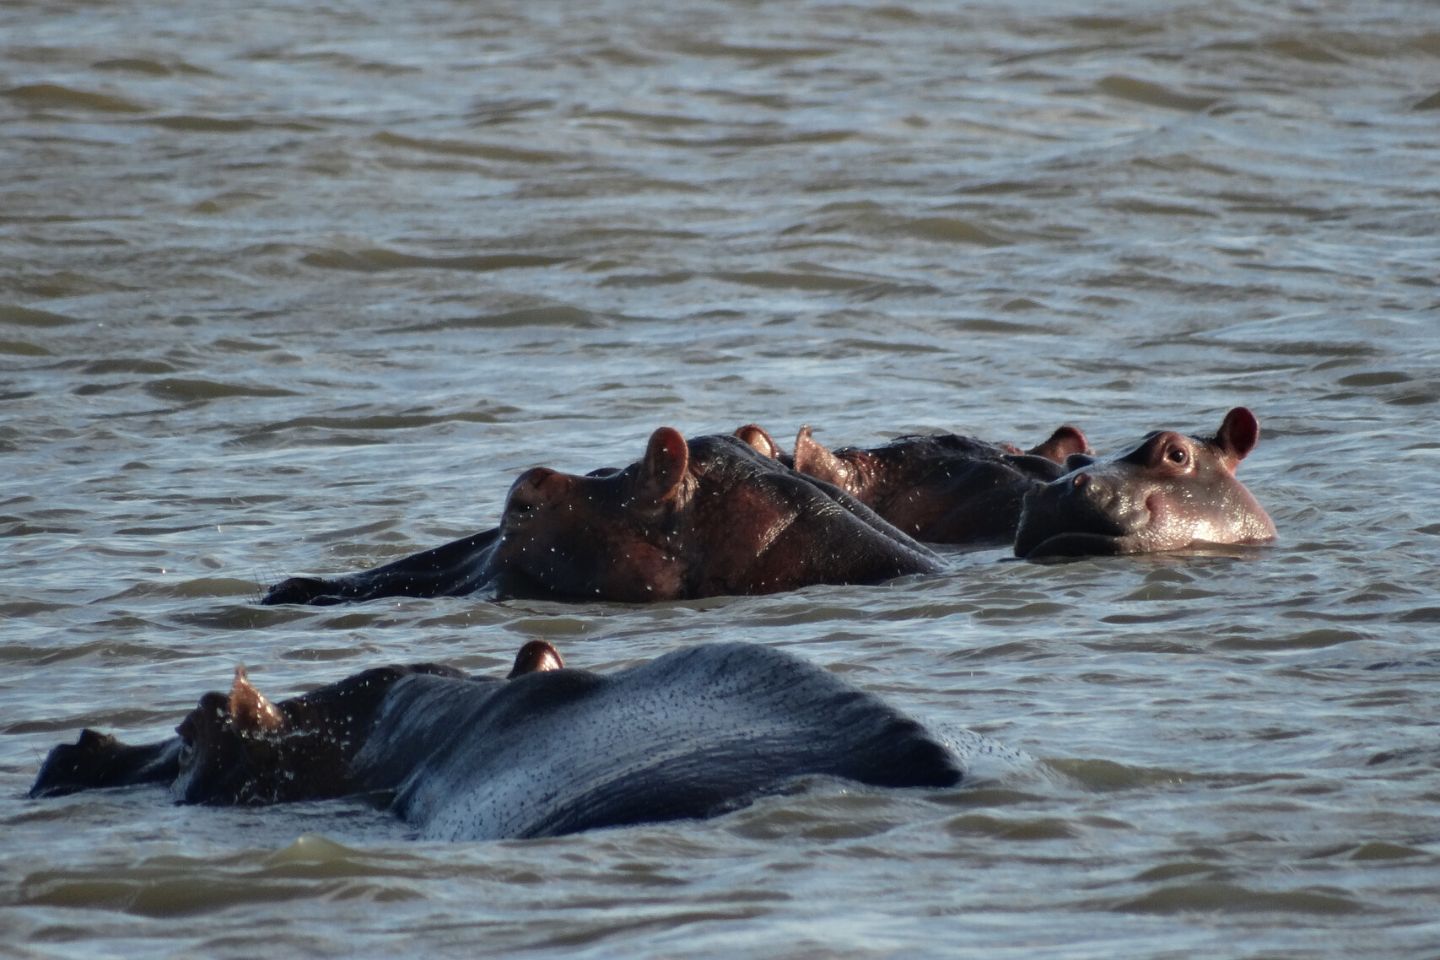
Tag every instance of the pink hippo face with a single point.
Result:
(697, 519)
(1170, 492)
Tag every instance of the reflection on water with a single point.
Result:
(304, 288)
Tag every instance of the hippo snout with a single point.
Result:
(1073, 515)
(531, 490)
(1089, 493)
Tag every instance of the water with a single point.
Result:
(301, 288)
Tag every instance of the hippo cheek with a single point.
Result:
(1172, 525)
(645, 572)
(588, 564)
(1178, 523)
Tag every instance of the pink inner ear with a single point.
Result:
(809, 452)
(1238, 435)
(757, 437)
(815, 459)
(666, 460)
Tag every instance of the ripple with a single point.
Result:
(366, 422)
(112, 365)
(201, 390)
(1217, 897)
(461, 148)
(19, 348)
(1005, 828)
(150, 67)
(817, 279)
(759, 55)
(55, 96)
(376, 260)
(1153, 94)
(953, 230)
(1306, 640)
(167, 891)
(198, 124)
(19, 316)
(555, 315)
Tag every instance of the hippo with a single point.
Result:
(551, 750)
(698, 518)
(1168, 492)
(943, 488)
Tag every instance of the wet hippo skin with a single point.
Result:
(1168, 492)
(550, 751)
(942, 488)
(701, 518)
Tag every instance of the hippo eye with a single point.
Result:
(1177, 456)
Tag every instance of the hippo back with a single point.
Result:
(690, 734)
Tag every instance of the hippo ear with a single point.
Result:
(757, 437)
(814, 460)
(1064, 442)
(666, 460)
(1237, 436)
(536, 656)
(250, 712)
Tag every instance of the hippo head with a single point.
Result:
(1168, 492)
(941, 488)
(229, 748)
(613, 535)
(931, 463)
(703, 518)
(240, 748)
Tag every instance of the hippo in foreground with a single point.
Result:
(943, 488)
(702, 518)
(1168, 492)
(549, 751)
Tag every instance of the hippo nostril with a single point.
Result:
(527, 493)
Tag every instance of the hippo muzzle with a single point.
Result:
(1079, 514)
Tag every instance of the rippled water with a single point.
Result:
(302, 287)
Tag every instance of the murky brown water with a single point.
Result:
(302, 287)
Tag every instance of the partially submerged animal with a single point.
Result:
(549, 751)
(691, 519)
(1168, 492)
(941, 488)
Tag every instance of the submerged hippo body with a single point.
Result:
(1169, 492)
(943, 488)
(698, 519)
(550, 751)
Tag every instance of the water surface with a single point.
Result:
(302, 288)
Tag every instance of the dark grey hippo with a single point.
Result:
(549, 751)
(702, 518)
(1169, 492)
(939, 488)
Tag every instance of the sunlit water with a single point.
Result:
(301, 287)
